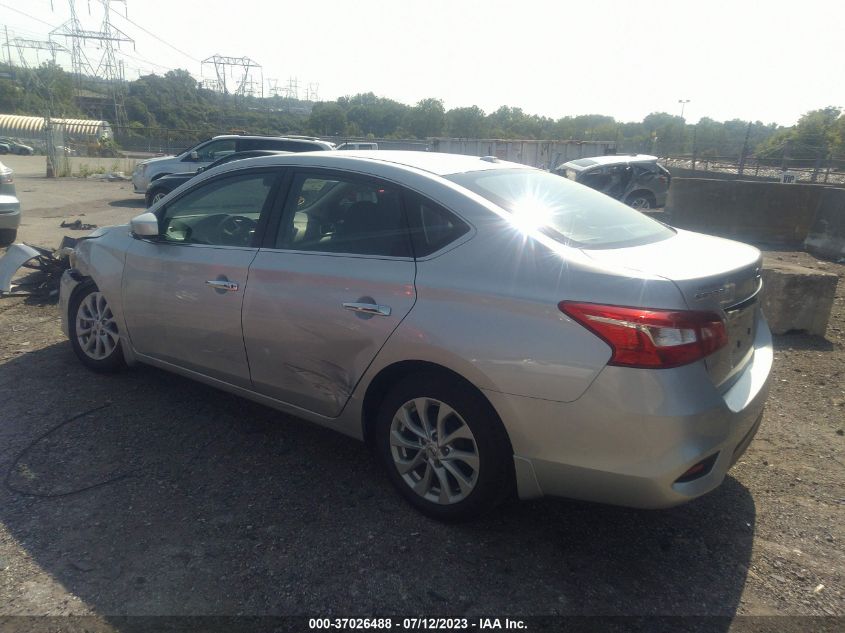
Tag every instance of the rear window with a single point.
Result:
(566, 211)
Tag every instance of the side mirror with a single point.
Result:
(144, 225)
(195, 155)
(201, 169)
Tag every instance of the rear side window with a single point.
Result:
(335, 214)
(432, 226)
(566, 211)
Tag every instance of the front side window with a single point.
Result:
(215, 149)
(562, 209)
(222, 212)
(344, 215)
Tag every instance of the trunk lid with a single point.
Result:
(713, 274)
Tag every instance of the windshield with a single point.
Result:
(568, 212)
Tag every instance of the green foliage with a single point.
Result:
(177, 107)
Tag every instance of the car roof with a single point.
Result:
(433, 162)
(253, 137)
(612, 159)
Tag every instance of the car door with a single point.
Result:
(333, 281)
(183, 292)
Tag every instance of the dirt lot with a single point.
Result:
(146, 493)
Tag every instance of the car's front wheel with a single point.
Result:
(94, 335)
(444, 447)
(154, 196)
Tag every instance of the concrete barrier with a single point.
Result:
(761, 212)
(796, 298)
(826, 236)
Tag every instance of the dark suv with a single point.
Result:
(635, 179)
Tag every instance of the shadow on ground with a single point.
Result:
(163, 496)
(136, 202)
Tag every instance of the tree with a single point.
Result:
(426, 119)
(466, 122)
(327, 119)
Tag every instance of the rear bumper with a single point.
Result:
(633, 433)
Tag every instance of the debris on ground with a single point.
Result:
(47, 269)
(77, 225)
(110, 176)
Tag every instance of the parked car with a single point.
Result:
(486, 326)
(356, 145)
(636, 179)
(14, 146)
(206, 152)
(10, 207)
(164, 185)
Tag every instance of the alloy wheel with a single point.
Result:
(434, 451)
(96, 330)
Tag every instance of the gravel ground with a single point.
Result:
(145, 493)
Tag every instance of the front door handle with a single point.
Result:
(368, 308)
(220, 284)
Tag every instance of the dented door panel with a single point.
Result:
(303, 345)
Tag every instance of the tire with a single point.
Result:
(8, 236)
(100, 350)
(641, 201)
(154, 196)
(448, 487)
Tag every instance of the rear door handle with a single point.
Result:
(219, 284)
(368, 308)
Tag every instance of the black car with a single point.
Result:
(12, 146)
(635, 179)
(164, 185)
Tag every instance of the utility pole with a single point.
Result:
(694, 145)
(9, 52)
(787, 146)
(683, 103)
(744, 150)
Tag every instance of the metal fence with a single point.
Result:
(830, 171)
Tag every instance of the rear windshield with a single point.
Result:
(564, 210)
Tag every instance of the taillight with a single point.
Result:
(657, 339)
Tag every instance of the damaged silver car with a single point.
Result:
(487, 327)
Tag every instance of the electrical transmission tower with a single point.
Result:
(312, 92)
(292, 91)
(241, 70)
(109, 68)
(32, 80)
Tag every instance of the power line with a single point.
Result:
(136, 25)
(31, 17)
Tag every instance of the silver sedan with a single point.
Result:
(489, 328)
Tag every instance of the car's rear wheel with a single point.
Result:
(444, 447)
(641, 200)
(94, 335)
(7, 236)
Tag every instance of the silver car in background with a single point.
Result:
(487, 327)
(10, 207)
